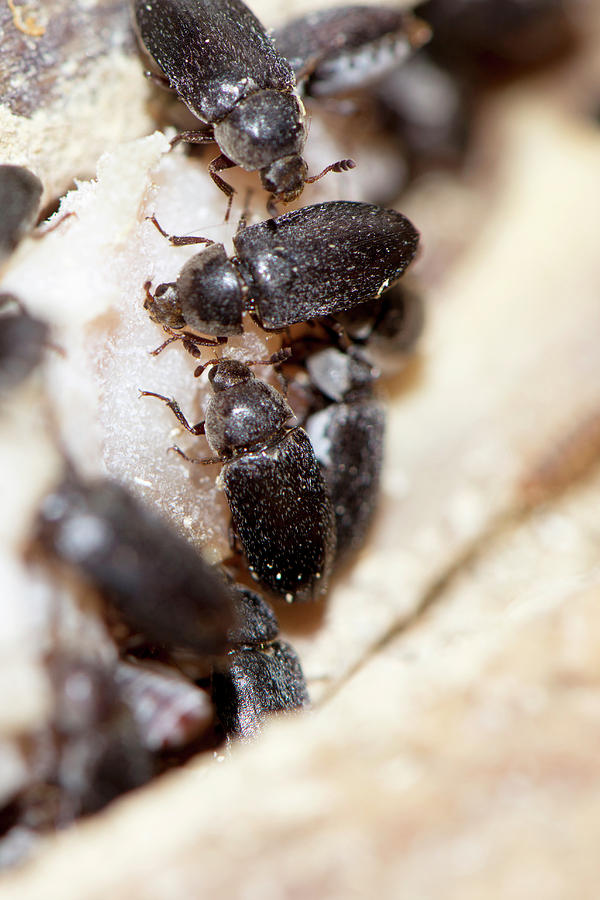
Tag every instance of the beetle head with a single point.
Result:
(163, 306)
(285, 177)
(210, 293)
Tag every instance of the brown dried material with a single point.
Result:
(40, 67)
(71, 86)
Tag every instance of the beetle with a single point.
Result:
(257, 683)
(308, 263)
(22, 340)
(100, 751)
(279, 504)
(340, 50)
(218, 58)
(261, 675)
(88, 752)
(472, 36)
(387, 327)
(346, 426)
(20, 195)
(159, 584)
(256, 622)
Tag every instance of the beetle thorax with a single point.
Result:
(210, 292)
(262, 128)
(245, 416)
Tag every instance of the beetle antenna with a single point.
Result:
(342, 165)
(213, 461)
(273, 360)
(200, 369)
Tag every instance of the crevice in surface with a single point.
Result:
(499, 528)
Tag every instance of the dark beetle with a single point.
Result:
(256, 622)
(256, 684)
(430, 109)
(20, 194)
(279, 504)
(307, 263)
(387, 327)
(218, 58)
(158, 583)
(100, 750)
(347, 436)
(261, 676)
(86, 755)
(471, 35)
(336, 51)
(22, 340)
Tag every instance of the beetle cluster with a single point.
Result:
(289, 508)
(199, 657)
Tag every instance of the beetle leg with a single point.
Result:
(272, 207)
(40, 232)
(178, 240)
(217, 165)
(234, 542)
(213, 461)
(210, 362)
(274, 360)
(160, 81)
(174, 407)
(194, 137)
(157, 350)
(335, 331)
(191, 342)
(308, 69)
(243, 220)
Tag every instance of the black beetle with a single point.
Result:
(257, 683)
(87, 754)
(256, 622)
(340, 50)
(279, 504)
(387, 327)
(261, 676)
(159, 584)
(472, 35)
(22, 339)
(218, 58)
(100, 750)
(307, 263)
(347, 433)
(20, 194)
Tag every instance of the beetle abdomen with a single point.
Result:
(322, 259)
(287, 529)
(348, 442)
(214, 53)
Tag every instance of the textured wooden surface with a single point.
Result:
(452, 751)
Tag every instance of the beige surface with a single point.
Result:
(453, 751)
